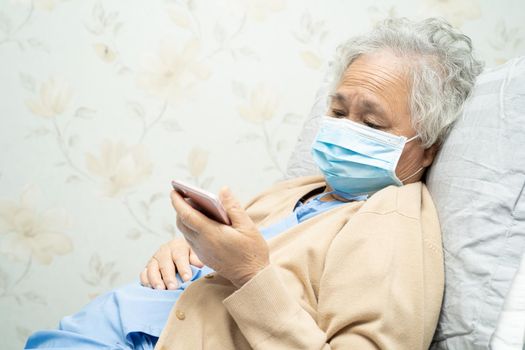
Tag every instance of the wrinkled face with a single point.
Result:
(374, 91)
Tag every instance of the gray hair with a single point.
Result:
(442, 68)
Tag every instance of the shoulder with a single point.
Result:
(405, 214)
(396, 225)
(407, 200)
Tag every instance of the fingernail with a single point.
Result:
(186, 276)
(172, 286)
(159, 286)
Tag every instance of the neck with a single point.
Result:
(332, 196)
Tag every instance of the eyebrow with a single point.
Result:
(365, 104)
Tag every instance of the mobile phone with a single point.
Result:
(204, 201)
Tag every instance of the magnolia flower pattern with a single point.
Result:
(197, 161)
(260, 10)
(120, 167)
(52, 100)
(28, 233)
(173, 69)
(105, 52)
(456, 12)
(260, 106)
(46, 5)
(189, 70)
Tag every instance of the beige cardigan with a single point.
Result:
(365, 275)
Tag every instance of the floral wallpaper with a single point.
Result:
(104, 102)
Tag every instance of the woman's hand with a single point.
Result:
(237, 252)
(172, 257)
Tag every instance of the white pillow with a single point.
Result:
(301, 162)
(510, 332)
(477, 183)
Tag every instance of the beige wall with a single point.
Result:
(103, 102)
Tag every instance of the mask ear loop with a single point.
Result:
(414, 174)
(419, 170)
(412, 138)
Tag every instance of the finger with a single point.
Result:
(182, 261)
(167, 271)
(154, 277)
(189, 216)
(144, 278)
(194, 259)
(184, 229)
(236, 213)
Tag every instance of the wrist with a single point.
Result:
(242, 281)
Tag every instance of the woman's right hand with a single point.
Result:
(172, 257)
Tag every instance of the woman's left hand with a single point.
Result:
(237, 252)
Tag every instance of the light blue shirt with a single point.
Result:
(133, 316)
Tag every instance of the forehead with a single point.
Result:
(379, 79)
(382, 67)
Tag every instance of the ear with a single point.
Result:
(429, 154)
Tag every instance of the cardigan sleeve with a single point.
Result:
(371, 294)
(270, 318)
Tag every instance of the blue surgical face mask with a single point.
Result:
(355, 159)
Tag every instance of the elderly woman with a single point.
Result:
(348, 260)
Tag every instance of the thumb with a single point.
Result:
(236, 213)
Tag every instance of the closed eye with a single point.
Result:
(337, 113)
(372, 125)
